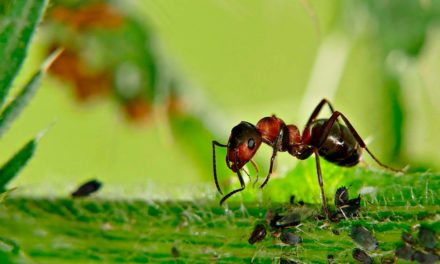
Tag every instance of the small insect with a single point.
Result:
(348, 208)
(289, 238)
(330, 259)
(327, 138)
(283, 221)
(427, 238)
(175, 252)
(361, 256)
(407, 238)
(258, 234)
(87, 188)
(405, 252)
(363, 238)
(287, 261)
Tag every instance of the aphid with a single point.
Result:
(408, 238)
(427, 237)
(329, 138)
(283, 221)
(289, 238)
(175, 252)
(425, 258)
(336, 232)
(348, 208)
(363, 238)
(330, 259)
(258, 234)
(405, 252)
(292, 199)
(361, 256)
(287, 261)
(87, 188)
(388, 260)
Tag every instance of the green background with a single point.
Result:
(238, 60)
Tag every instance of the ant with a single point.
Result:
(328, 138)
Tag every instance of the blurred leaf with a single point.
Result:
(16, 163)
(13, 110)
(16, 29)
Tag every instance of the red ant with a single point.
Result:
(328, 138)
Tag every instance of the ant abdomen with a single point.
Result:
(339, 147)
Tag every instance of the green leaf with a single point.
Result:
(17, 25)
(13, 110)
(16, 163)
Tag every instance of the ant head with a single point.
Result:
(242, 145)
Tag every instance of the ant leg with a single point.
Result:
(215, 143)
(256, 170)
(272, 160)
(318, 109)
(358, 138)
(240, 178)
(321, 183)
(275, 147)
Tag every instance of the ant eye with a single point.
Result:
(251, 143)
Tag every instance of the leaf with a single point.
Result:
(13, 110)
(16, 163)
(17, 26)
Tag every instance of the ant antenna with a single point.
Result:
(215, 143)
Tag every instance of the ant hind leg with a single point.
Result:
(355, 134)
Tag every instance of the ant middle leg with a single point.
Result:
(275, 147)
(328, 126)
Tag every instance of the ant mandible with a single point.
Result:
(328, 138)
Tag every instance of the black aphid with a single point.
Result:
(405, 252)
(283, 221)
(427, 238)
(175, 252)
(363, 238)
(388, 260)
(330, 259)
(292, 199)
(425, 258)
(361, 256)
(258, 234)
(87, 188)
(289, 238)
(287, 261)
(346, 207)
(408, 238)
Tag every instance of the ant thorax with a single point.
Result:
(270, 128)
(273, 131)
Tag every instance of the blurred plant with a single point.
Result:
(19, 22)
(107, 54)
(401, 32)
(110, 55)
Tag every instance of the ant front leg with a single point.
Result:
(329, 125)
(240, 178)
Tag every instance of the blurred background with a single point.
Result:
(142, 87)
